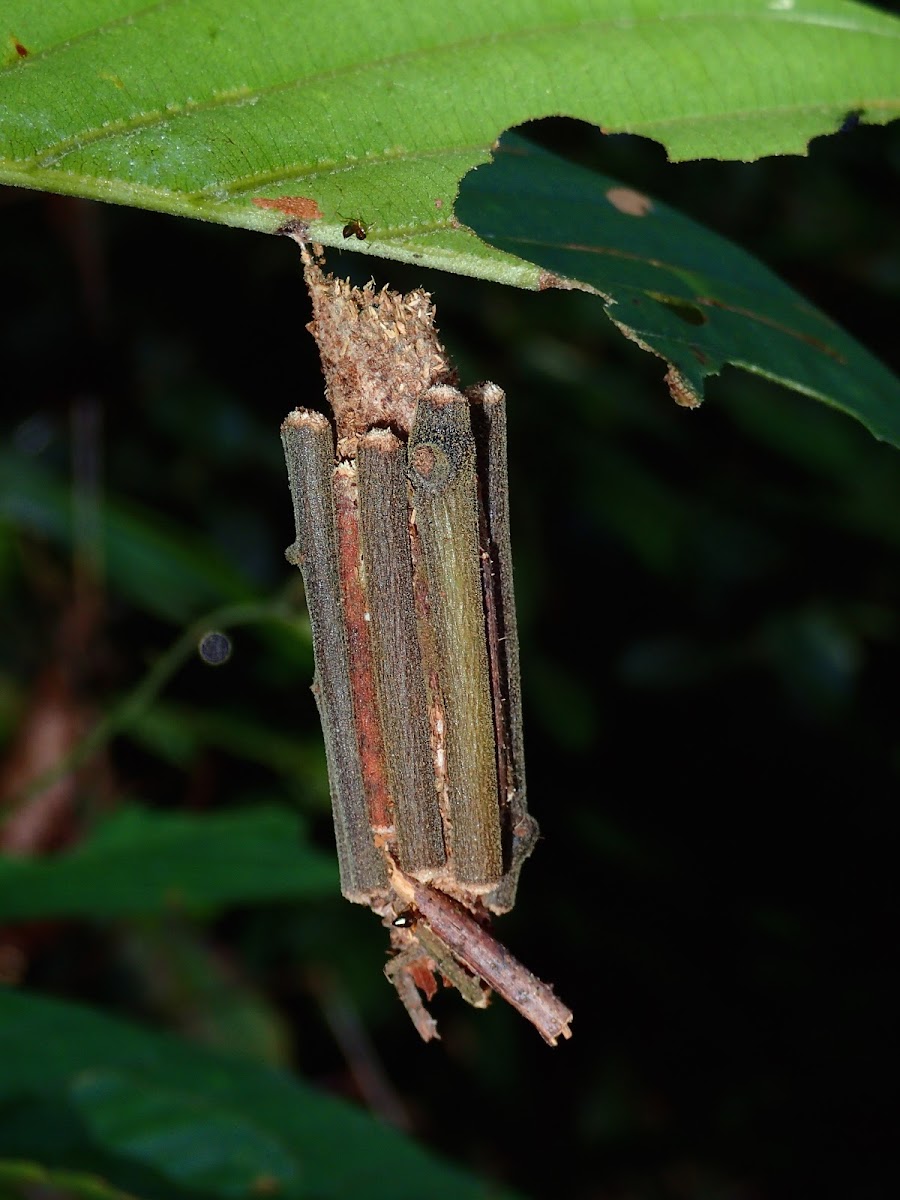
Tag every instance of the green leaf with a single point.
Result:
(29, 1181)
(187, 983)
(139, 862)
(178, 731)
(205, 1122)
(160, 567)
(376, 111)
(374, 114)
(197, 1143)
(672, 286)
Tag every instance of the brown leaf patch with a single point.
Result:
(304, 208)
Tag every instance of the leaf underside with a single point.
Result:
(674, 287)
(374, 113)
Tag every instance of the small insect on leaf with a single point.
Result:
(356, 228)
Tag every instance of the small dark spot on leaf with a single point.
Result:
(851, 120)
(683, 309)
(438, 203)
(699, 354)
(21, 50)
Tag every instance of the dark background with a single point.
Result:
(710, 643)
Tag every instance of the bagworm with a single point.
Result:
(402, 536)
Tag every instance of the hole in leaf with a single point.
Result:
(851, 120)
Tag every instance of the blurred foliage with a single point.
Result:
(138, 862)
(190, 1122)
(710, 640)
(24, 1181)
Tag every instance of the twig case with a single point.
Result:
(402, 523)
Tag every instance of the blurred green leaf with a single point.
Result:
(861, 483)
(672, 286)
(376, 112)
(161, 568)
(201, 1144)
(29, 1181)
(817, 658)
(207, 1123)
(177, 731)
(198, 990)
(140, 862)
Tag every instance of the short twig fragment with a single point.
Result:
(473, 947)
